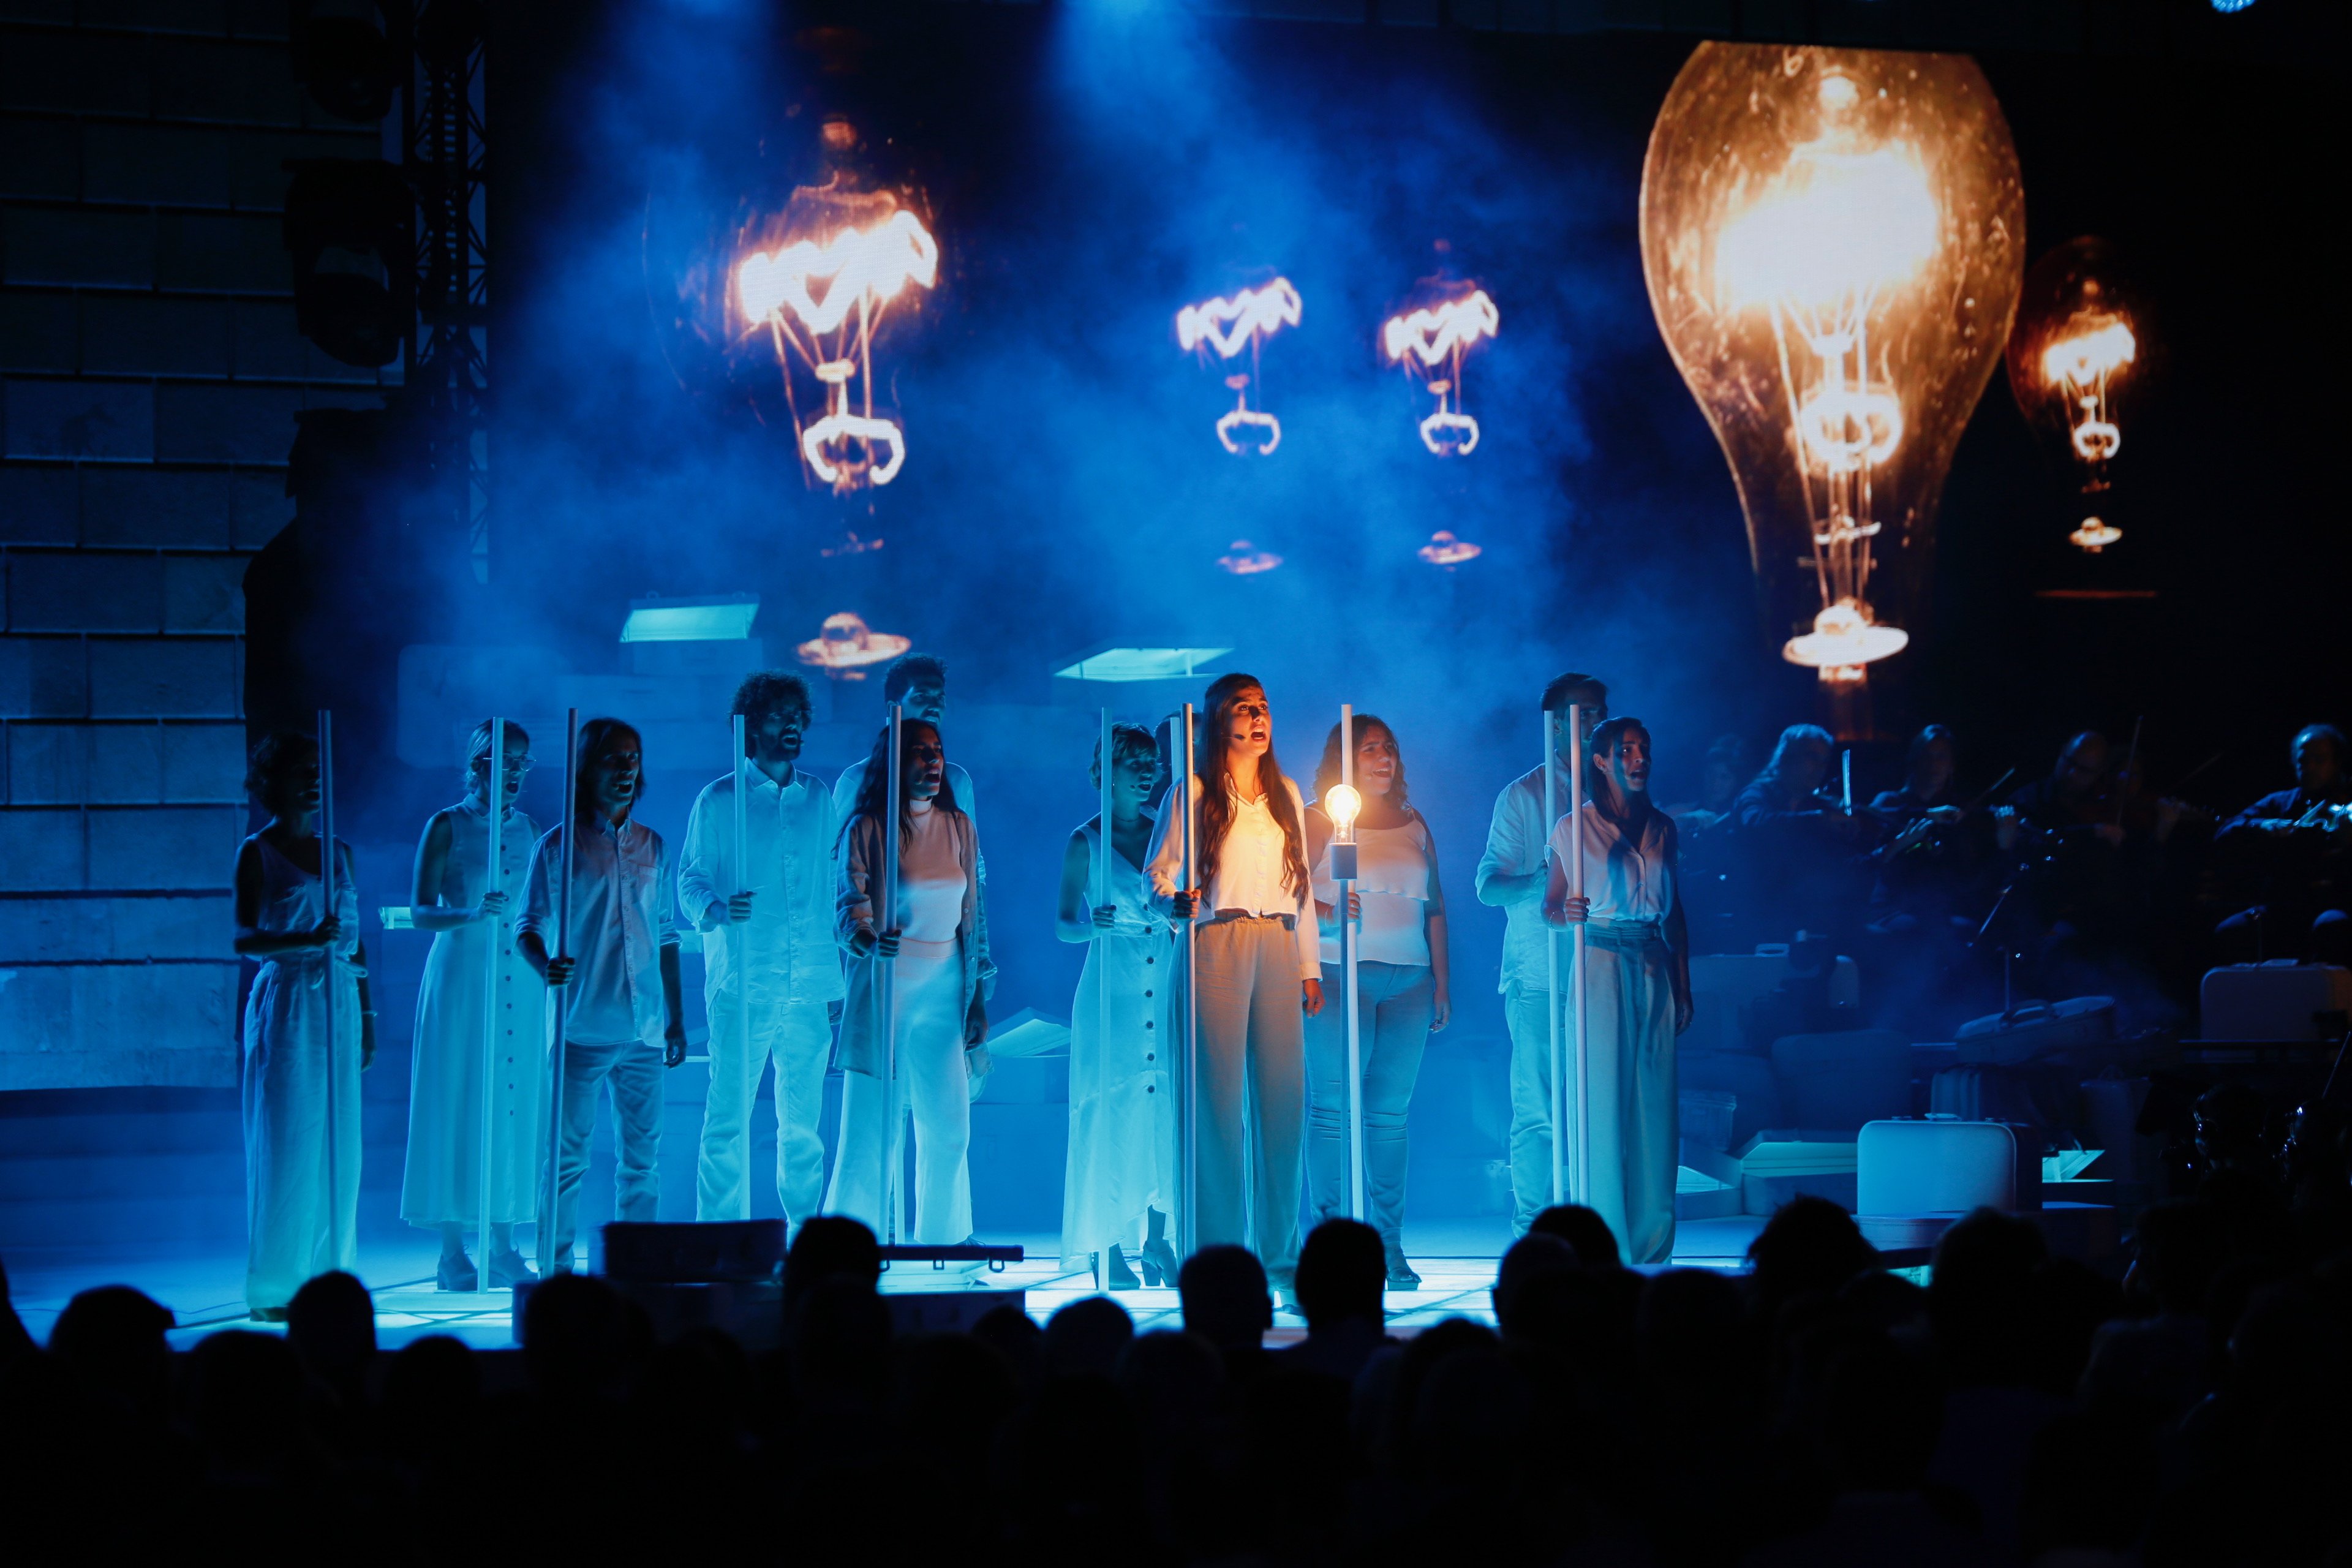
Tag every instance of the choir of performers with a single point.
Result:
(474, 953)
(301, 1093)
(1637, 994)
(624, 1022)
(1123, 1172)
(1512, 877)
(770, 972)
(1257, 969)
(1402, 988)
(940, 975)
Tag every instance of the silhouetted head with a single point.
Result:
(1225, 1297)
(2318, 755)
(112, 1339)
(1583, 1229)
(331, 1323)
(1342, 1269)
(827, 1246)
(1808, 1247)
(1086, 1337)
(1537, 1256)
(581, 1338)
(1980, 1295)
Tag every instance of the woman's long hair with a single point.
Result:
(1216, 801)
(874, 789)
(593, 734)
(1326, 772)
(1794, 735)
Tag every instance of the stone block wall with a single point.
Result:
(150, 373)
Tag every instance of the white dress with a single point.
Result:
(442, 1182)
(1122, 1158)
(302, 1165)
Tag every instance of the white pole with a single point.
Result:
(1347, 890)
(493, 935)
(1551, 974)
(1187, 1231)
(562, 995)
(886, 911)
(735, 956)
(1100, 955)
(1576, 974)
(334, 980)
(1846, 792)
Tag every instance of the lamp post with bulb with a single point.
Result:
(1342, 804)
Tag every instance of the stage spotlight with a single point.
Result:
(845, 645)
(350, 224)
(1119, 663)
(343, 58)
(1440, 333)
(1227, 327)
(2078, 353)
(1830, 242)
(721, 619)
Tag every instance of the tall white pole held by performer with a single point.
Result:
(493, 805)
(561, 995)
(1342, 807)
(886, 909)
(1104, 895)
(1551, 975)
(334, 976)
(1576, 970)
(1188, 1234)
(735, 944)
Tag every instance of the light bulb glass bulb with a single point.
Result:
(1340, 804)
(1831, 241)
(2078, 357)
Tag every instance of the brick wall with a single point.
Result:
(150, 372)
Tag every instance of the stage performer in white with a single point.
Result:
(1120, 1183)
(918, 683)
(771, 969)
(1259, 973)
(626, 1022)
(942, 977)
(1511, 877)
(302, 1165)
(1637, 994)
(474, 940)
(1404, 988)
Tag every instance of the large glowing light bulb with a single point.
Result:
(1342, 804)
(1228, 326)
(1830, 238)
(2075, 358)
(1430, 341)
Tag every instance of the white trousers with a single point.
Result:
(635, 1072)
(796, 1036)
(934, 1087)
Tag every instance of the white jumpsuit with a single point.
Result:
(301, 1093)
(442, 1182)
(1122, 1158)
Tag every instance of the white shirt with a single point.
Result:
(788, 942)
(622, 917)
(1515, 847)
(1392, 892)
(1628, 877)
(1250, 865)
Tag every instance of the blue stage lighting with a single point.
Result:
(1115, 663)
(726, 619)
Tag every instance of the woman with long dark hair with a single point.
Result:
(938, 943)
(1402, 987)
(1258, 973)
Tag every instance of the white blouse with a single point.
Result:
(1249, 868)
(1628, 878)
(1392, 892)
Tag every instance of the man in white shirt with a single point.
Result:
(625, 1021)
(770, 968)
(920, 682)
(1511, 876)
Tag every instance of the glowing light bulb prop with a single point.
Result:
(1446, 552)
(1830, 239)
(1441, 334)
(2074, 360)
(1228, 327)
(845, 645)
(820, 302)
(1342, 804)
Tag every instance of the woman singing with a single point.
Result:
(301, 1087)
(1402, 992)
(938, 949)
(474, 953)
(1257, 970)
(1120, 1184)
(1637, 994)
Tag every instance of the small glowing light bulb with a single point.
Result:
(1340, 804)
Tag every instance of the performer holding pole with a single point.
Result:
(911, 918)
(756, 879)
(1632, 932)
(1120, 1182)
(1512, 877)
(1257, 974)
(309, 1031)
(603, 883)
(1394, 931)
(1583, 1133)
(475, 1097)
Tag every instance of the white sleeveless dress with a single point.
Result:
(301, 1166)
(1122, 1156)
(442, 1182)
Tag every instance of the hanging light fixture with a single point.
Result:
(2078, 353)
(1830, 240)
